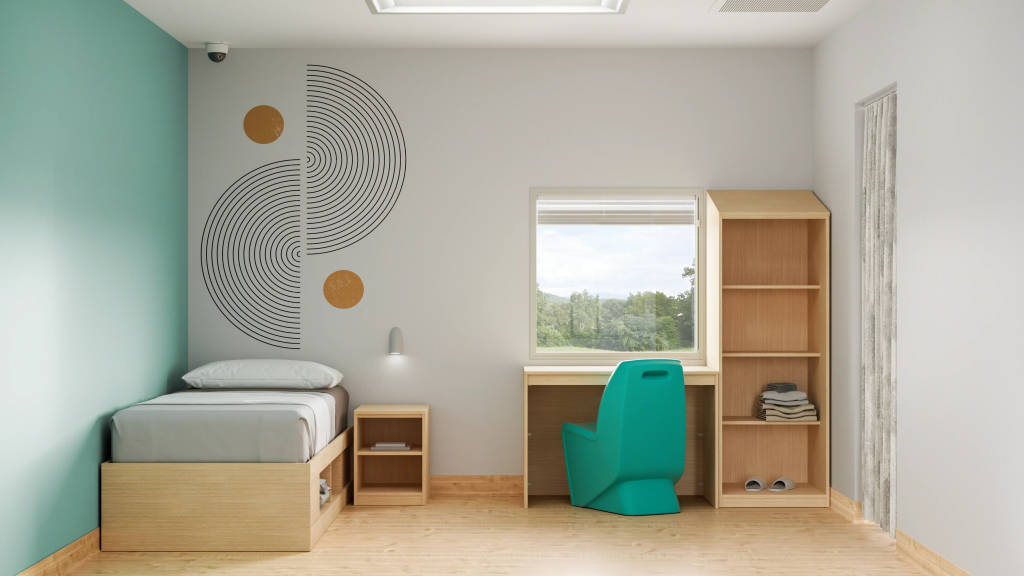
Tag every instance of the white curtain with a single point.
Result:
(878, 314)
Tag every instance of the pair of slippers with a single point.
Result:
(756, 484)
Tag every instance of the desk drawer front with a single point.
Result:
(568, 380)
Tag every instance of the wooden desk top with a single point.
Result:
(587, 370)
(594, 375)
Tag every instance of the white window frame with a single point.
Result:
(695, 358)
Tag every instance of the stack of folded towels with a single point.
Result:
(782, 402)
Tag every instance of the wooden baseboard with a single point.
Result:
(927, 558)
(919, 553)
(846, 507)
(490, 485)
(61, 562)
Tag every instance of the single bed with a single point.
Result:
(226, 470)
(229, 426)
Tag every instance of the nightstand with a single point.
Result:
(399, 477)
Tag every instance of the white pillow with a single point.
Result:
(297, 374)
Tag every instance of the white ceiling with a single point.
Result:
(308, 23)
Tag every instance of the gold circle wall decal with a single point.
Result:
(343, 289)
(263, 124)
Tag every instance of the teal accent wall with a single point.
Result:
(93, 203)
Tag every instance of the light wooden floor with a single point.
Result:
(496, 535)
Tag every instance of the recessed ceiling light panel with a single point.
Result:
(762, 6)
(497, 6)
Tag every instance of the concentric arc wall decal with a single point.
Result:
(355, 159)
(251, 253)
(253, 240)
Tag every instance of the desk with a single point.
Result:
(556, 394)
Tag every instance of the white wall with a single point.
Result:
(960, 77)
(450, 264)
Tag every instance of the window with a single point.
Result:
(616, 274)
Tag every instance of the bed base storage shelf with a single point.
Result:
(218, 507)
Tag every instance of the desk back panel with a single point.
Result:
(551, 405)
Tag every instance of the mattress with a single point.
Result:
(229, 426)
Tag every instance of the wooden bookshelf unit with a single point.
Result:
(769, 281)
(400, 477)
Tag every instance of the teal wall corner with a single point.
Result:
(93, 224)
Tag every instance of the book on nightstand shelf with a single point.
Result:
(390, 447)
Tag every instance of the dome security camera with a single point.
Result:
(216, 51)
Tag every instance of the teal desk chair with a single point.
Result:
(629, 461)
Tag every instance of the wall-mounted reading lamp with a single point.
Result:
(396, 342)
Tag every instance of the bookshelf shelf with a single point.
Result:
(771, 355)
(772, 287)
(802, 496)
(752, 421)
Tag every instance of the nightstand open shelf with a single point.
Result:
(392, 477)
(414, 451)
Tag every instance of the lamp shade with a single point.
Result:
(396, 342)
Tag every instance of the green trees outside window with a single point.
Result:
(642, 322)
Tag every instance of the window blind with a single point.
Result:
(680, 211)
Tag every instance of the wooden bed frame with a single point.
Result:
(244, 507)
